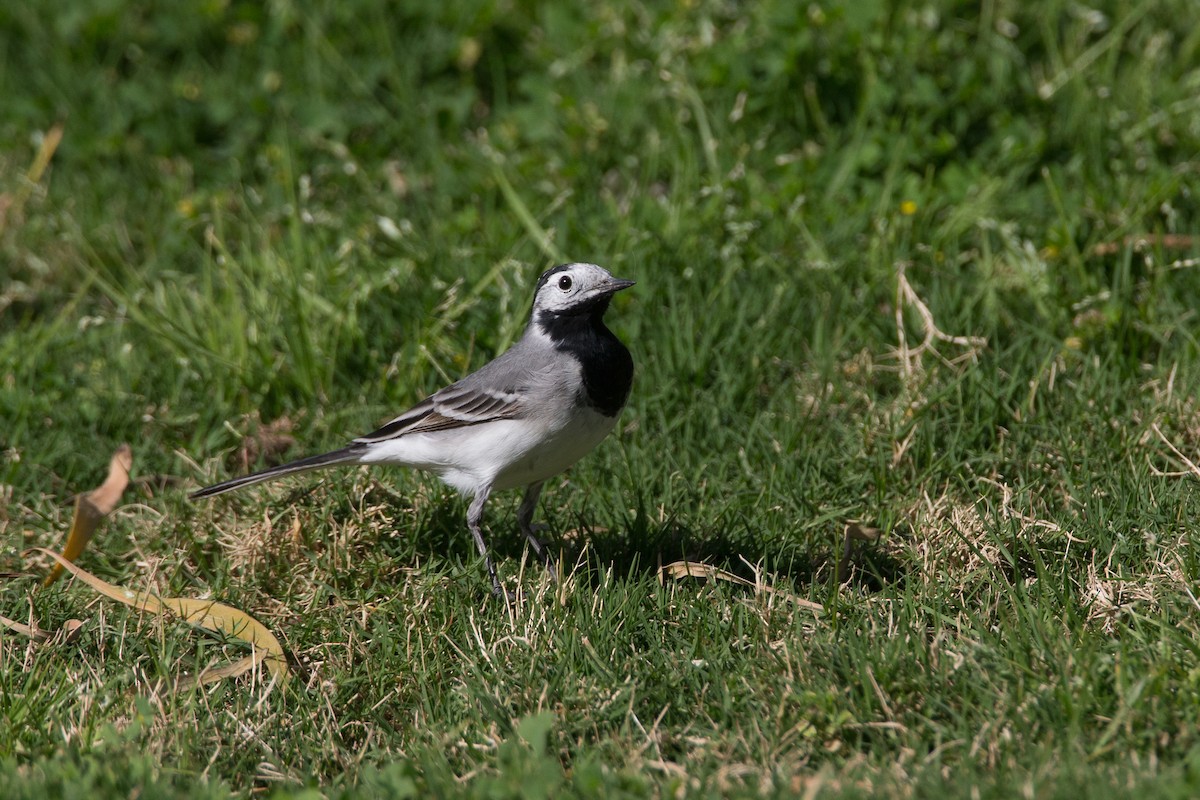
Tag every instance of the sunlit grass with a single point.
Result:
(927, 269)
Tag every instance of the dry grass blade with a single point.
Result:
(1192, 469)
(95, 506)
(208, 614)
(11, 206)
(695, 569)
(907, 297)
(32, 631)
(214, 674)
(67, 633)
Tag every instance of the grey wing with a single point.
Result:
(470, 401)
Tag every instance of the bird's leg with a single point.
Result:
(525, 521)
(474, 521)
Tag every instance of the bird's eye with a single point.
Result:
(564, 283)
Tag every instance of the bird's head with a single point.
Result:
(570, 289)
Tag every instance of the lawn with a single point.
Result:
(915, 330)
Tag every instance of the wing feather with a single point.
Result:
(456, 406)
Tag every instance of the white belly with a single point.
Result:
(579, 437)
(503, 453)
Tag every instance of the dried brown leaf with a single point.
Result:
(32, 631)
(854, 533)
(95, 506)
(268, 443)
(1142, 241)
(69, 632)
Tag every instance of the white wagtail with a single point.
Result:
(518, 420)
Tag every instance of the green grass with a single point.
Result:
(320, 213)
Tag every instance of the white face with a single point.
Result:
(573, 285)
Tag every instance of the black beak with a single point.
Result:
(613, 285)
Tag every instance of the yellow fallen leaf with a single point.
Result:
(695, 569)
(207, 614)
(95, 506)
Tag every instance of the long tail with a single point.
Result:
(347, 455)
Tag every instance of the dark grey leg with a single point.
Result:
(474, 520)
(525, 521)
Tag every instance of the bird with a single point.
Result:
(518, 420)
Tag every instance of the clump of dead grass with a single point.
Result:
(957, 539)
(1113, 593)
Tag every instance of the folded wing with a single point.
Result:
(456, 406)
